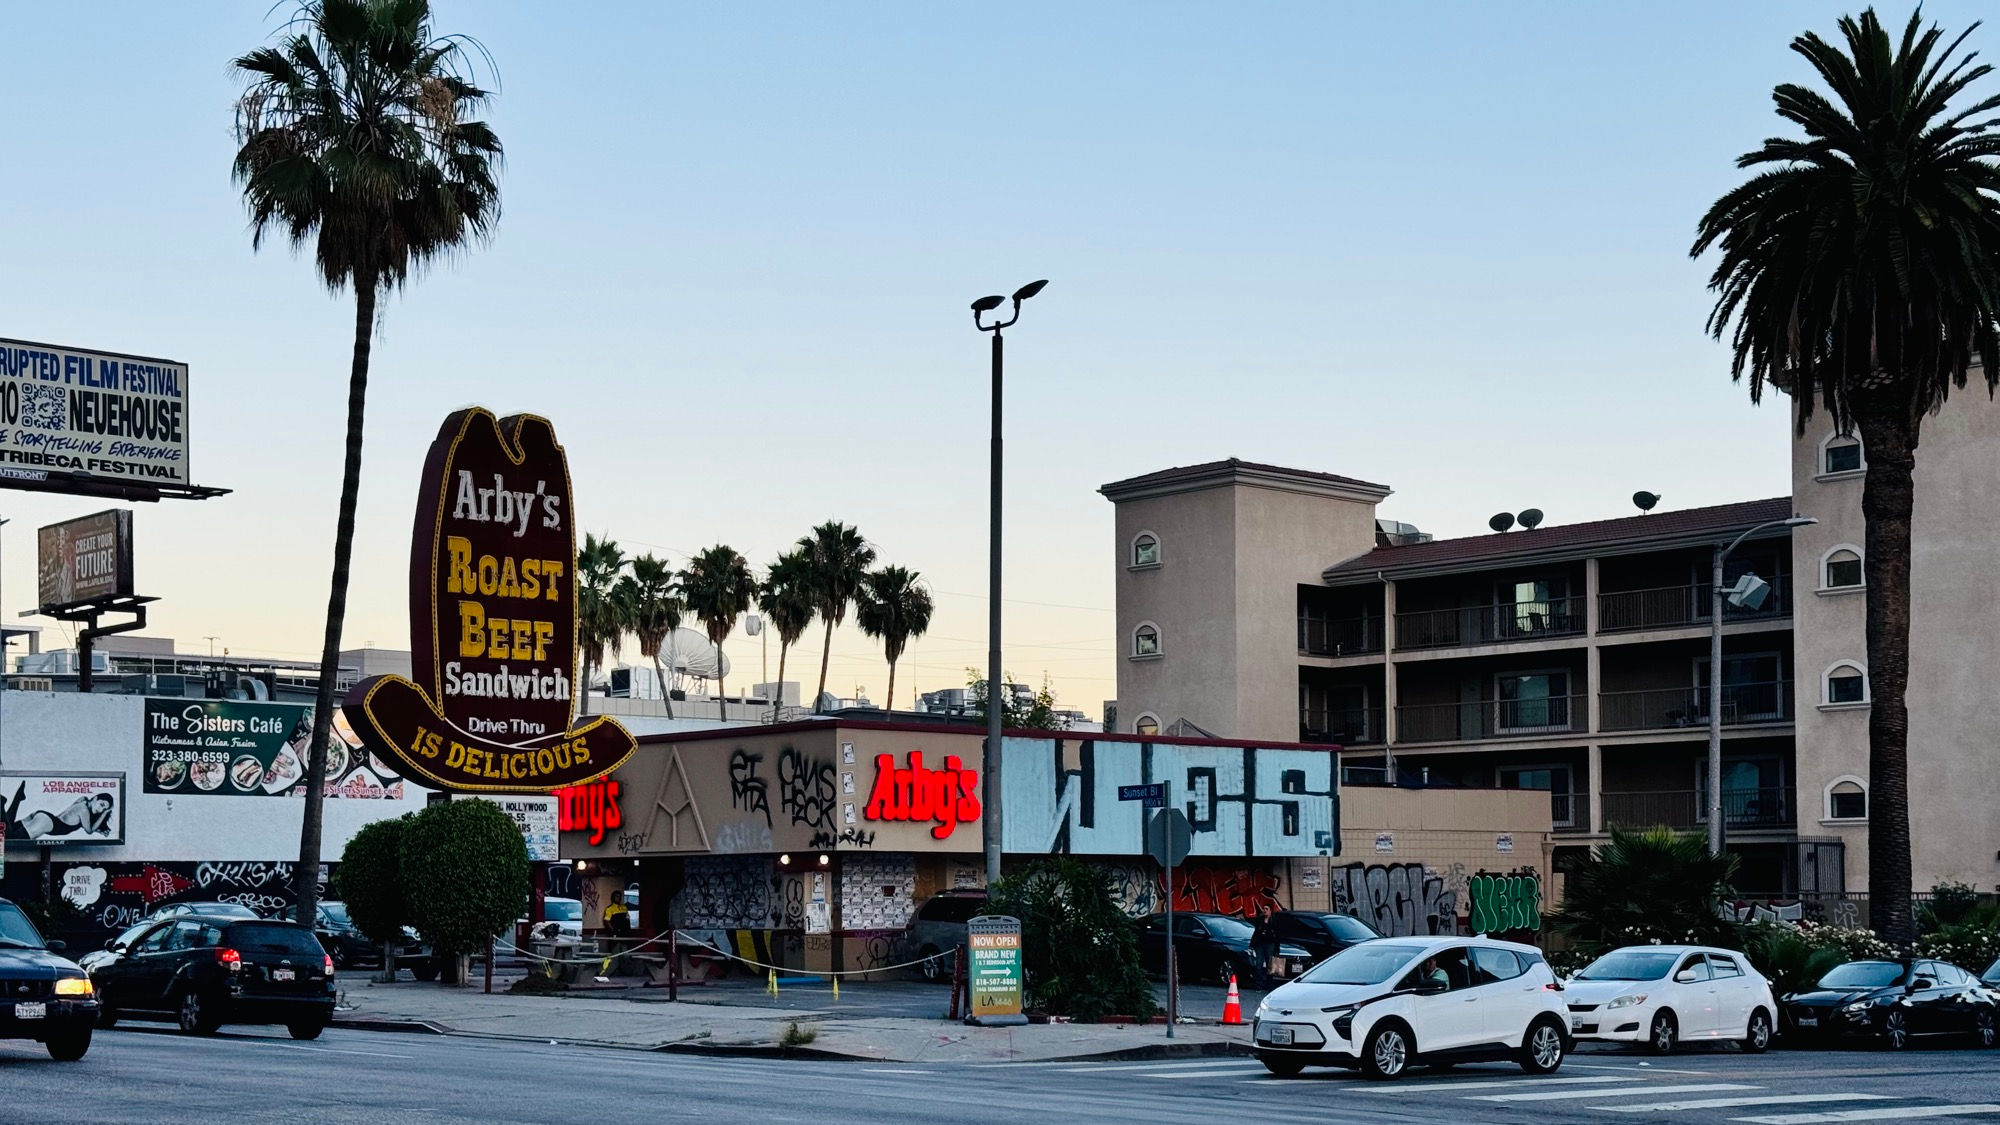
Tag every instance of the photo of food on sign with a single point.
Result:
(493, 654)
(239, 748)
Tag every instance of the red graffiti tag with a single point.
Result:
(151, 884)
(1238, 891)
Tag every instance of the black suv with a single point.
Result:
(42, 996)
(205, 971)
(1319, 933)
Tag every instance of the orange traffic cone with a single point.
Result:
(1232, 1008)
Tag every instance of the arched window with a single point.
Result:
(1148, 724)
(1846, 683)
(1145, 549)
(1840, 568)
(1146, 640)
(1840, 454)
(1846, 799)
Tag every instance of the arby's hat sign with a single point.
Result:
(492, 623)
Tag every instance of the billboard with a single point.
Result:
(80, 421)
(85, 560)
(232, 748)
(40, 808)
(492, 622)
(535, 816)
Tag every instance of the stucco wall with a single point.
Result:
(1190, 596)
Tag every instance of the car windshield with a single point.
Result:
(1369, 963)
(16, 930)
(1229, 929)
(336, 912)
(562, 909)
(1992, 973)
(1863, 974)
(1349, 928)
(1628, 964)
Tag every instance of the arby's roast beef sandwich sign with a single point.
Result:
(492, 622)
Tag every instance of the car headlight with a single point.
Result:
(1263, 1009)
(1627, 1000)
(75, 986)
(1856, 1008)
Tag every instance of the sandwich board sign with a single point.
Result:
(993, 973)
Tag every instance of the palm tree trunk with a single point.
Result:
(583, 688)
(890, 703)
(721, 687)
(660, 674)
(306, 878)
(825, 655)
(779, 707)
(1887, 499)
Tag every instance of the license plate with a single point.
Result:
(1281, 1037)
(283, 974)
(1576, 1023)
(1808, 1021)
(38, 1010)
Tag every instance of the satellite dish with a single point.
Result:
(1531, 518)
(687, 652)
(1645, 500)
(753, 624)
(1501, 521)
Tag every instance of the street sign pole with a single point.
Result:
(1168, 838)
(1173, 980)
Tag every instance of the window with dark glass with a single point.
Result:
(1843, 456)
(1848, 801)
(1846, 686)
(1146, 551)
(1843, 569)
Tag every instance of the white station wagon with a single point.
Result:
(1384, 1006)
(1664, 995)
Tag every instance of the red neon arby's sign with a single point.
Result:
(949, 797)
(592, 808)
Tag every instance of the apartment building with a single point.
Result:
(1274, 603)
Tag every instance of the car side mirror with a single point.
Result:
(1920, 982)
(112, 945)
(56, 946)
(1685, 976)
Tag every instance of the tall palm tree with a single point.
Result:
(787, 601)
(603, 609)
(895, 607)
(717, 587)
(840, 558)
(358, 136)
(655, 613)
(1860, 273)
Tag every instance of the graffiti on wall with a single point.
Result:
(1240, 890)
(1830, 910)
(726, 893)
(747, 791)
(1500, 903)
(111, 896)
(1062, 797)
(805, 789)
(1398, 899)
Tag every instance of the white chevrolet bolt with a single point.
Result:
(1384, 1006)
(1664, 995)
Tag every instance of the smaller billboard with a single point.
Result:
(534, 815)
(39, 808)
(86, 559)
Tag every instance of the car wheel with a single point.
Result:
(1542, 1051)
(1282, 1068)
(1983, 1029)
(933, 964)
(306, 1029)
(68, 1046)
(1226, 972)
(1664, 1035)
(1758, 1038)
(424, 970)
(1895, 1030)
(1386, 1054)
(339, 955)
(195, 1016)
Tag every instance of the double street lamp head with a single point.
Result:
(987, 304)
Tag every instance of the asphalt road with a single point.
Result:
(147, 1075)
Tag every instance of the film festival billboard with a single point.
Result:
(72, 420)
(85, 560)
(492, 623)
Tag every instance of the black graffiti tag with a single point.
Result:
(747, 791)
(805, 788)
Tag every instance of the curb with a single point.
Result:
(416, 1027)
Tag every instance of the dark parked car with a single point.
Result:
(1320, 934)
(205, 971)
(1890, 1003)
(1991, 977)
(351, 949)
(208, 909)
(1210, 948)
(938, 927)
(43, 996)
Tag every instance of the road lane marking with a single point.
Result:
(1210, 1064)
(1642, 1068)
(1445, 1084)
(1731, 1103)
(1197, 1074)
(1876, 1114)
(890, 1070)
(330, 1050)
(1620, 1092)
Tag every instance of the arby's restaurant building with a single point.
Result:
(811, 844)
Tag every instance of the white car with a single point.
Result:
(1664, 995)
(563, 919)
(1387, 1005)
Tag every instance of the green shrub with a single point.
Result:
(1852, 944)
(370, 880)
(1951, 902)
(1079, 953)
(1652, 886)
(1780, 951)
(1970, 947)
(465, 872)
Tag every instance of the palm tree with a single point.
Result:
(840, 558)
(1860, 273)
(717, 587)
(1648, 885)
(787, 601)
(656, 613)
(358, 136)
(603, 608)
(894, 606)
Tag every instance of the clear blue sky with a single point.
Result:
(1440, 247)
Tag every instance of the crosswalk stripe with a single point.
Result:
(1620, 1092)
(1445, 1084)
(1730, 1103)
(1191, 1074)
(1876, 1114)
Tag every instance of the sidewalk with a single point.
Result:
(642, 1019)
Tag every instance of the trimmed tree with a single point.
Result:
(465, 870)
(370, 882)
(1078, 949)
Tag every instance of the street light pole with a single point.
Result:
(989, 822)
(1716, 593)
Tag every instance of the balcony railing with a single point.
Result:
(1346, 636)
(1349, 726)
(1673, 607)
(1456, 722)
(1490, 624)
(1670, 708)
(1686, 808)
(1569, 812)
